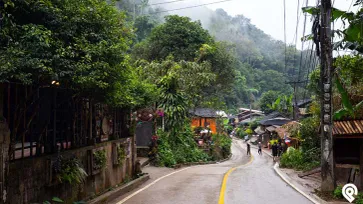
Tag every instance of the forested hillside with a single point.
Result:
(258, 60)
(231, 62)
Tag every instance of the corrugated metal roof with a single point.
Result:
(204, 112)
(274, 114)
(348, 127)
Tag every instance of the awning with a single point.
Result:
(271, 128)
(259, 130)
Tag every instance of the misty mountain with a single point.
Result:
(264, 63)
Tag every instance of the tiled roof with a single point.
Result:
(272, 115)
(348, 127)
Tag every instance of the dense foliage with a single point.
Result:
(180, 148)
(294, 158)
(81, 44)
(266, 100)
(224, 143)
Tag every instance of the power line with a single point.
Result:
(168, 2)
(190, 7)
(297, 21)
(295, 36)
(302, 44)
(285, 35)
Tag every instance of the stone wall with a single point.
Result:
(29, 178)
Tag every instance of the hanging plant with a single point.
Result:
(69, 171)
(121, 154)
(99, 159)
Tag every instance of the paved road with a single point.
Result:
(255, 183)
(259, 183)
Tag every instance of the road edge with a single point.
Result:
(108, 196)
(276, 167)
(178, 166)
(150, 184)
(315, 200)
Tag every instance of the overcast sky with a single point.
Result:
(268, 15)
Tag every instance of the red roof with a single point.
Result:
(348, 127)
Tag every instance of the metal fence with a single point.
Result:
(44, 119)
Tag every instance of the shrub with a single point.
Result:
(121, 154)
(178, 149)
(224, 142)
(338, 192)
(165, 156)
(294, 159)
(254, 124)
(70, 170)
(359, 199)
(228, 128)
(240, 133)
(249, 131)
(309, 135)
(99, 159)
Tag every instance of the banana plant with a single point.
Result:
(282, 103)
(275, 105)
(348, 109)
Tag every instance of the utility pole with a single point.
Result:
(327, 159)
(294, 83)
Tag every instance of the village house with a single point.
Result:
(269, 124)
(204, 117)
(246, 115)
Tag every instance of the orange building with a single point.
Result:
(203, 117)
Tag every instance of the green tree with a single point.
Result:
(143, 26)
(190, 77)
(273, 80)
(178, 36)
(267, 99)
(82, 44)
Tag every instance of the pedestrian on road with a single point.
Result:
(248, 149)
(259, 148)
(274, 151)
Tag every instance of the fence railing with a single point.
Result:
(43, 119)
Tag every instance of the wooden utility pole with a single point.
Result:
(327, 159)
(295, 105)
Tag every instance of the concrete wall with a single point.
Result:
(29, 183)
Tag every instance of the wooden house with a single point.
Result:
(246, 115)
(204, 117)
(348, 149)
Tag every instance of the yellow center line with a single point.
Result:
(224, 183)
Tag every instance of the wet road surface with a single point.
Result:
(254, 183)
(259, 183)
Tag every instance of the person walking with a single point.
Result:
(274, 151)
(259, 148)
(248, 149)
